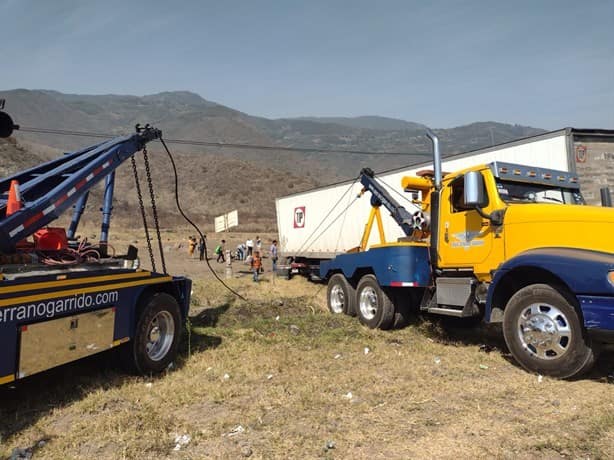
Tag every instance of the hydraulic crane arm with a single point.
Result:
(379, 196)
(49, 189)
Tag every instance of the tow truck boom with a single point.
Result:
(47, 190)
(379, 196)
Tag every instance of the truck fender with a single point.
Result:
(394, 265)
(580, 271)
(180, 288)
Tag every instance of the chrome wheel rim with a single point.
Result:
(337, 299)
(160, 335)
(544, 331)
(368, 303)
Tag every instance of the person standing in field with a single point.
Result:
(250, 246)
(219, 250)
(201, 248)
(256, 265)
(273, 252)
(191, 245)
(258, 247)
(258, 244)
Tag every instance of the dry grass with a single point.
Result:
(282, 368)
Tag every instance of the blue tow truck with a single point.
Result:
(62, 299)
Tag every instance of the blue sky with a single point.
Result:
(546, 64)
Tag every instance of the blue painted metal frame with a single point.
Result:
(107, 208)
(584, 272)
(49, 189)
(390, 265)
(598, 311)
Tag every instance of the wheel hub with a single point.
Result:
(368, 303)
(544, 331)
(160, 336)
(154, 334)
(337, 299)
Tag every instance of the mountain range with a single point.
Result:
(218, 179)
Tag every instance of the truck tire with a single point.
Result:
(156, 337)
(373, 306)
(544, 332)
(340, 295)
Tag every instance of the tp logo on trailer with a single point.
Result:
(299, 217)
(581, 154)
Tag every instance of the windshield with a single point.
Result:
(518, 192)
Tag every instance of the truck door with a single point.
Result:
(466, 239)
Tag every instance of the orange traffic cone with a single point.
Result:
(14, 202)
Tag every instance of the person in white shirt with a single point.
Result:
(273, 252)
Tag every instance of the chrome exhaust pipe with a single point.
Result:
(436, 158)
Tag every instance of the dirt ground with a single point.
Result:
(278, 376)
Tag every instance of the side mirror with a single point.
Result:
(474, 190)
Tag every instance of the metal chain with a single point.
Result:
(140, 196)
(154, 209)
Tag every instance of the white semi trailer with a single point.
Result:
(320, 223)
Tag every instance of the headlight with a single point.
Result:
(611, 278)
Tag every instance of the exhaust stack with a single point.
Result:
(436, 158)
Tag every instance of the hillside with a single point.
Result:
(185, 115)
(216, 180)
(369, 122)
(209, 185)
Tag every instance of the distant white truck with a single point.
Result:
(314, 226)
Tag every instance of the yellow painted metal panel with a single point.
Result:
(106, 287)
(7, 379)
(72, 282)
(530, 226)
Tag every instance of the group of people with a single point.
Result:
(250, 252)
(256, 259)
(245, 250)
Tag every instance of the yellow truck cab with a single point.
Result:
(515, 208)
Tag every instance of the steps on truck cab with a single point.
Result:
(454, 296)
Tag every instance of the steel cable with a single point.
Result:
(300, 249)
(201, 235)
(62, 132)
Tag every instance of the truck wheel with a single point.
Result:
(544, 333)
(374, 307)
(340, 295)
(157, 335)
